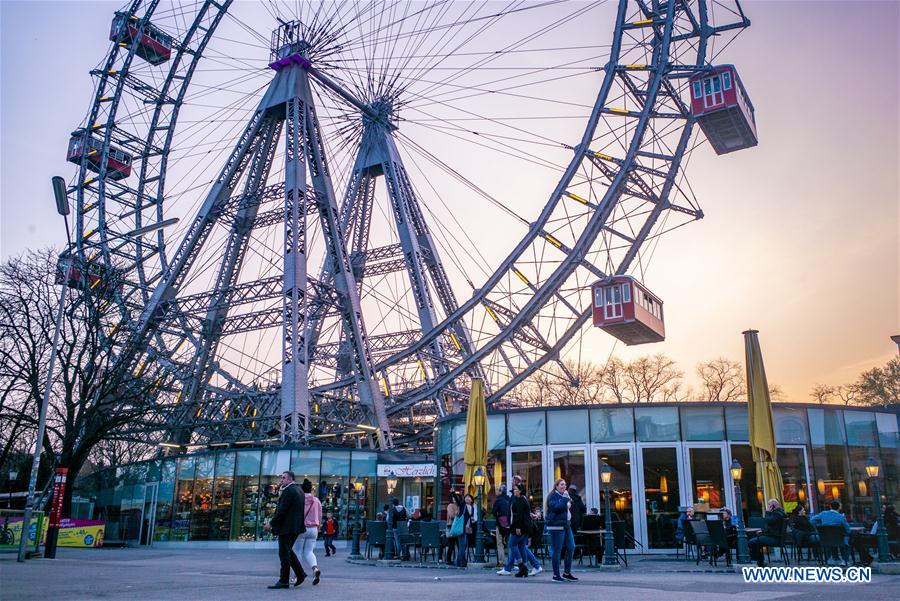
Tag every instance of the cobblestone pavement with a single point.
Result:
(224, 574)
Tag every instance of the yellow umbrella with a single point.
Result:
(759, 415)
(476, 434)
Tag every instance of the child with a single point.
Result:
(329, 532)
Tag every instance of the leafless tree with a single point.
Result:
(88, 402)
(613, 379)
(823, 393)
(653, 379)
(722, 380)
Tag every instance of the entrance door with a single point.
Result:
(661, 467)
(712, 91)
(148, 516)
(707, 477)
(570, 464)
(621, 495)
(613, 306)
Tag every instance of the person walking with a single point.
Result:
(305, 547)
(462, 541)
(502, 512)
(559, 524)
(452, 512)
(521, 526)
(330, 531)
(288, 523)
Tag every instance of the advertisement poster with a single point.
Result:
(412, 503)
(81, 533)
(11, 530)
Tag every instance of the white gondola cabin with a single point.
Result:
(155, 45)
(721, 106)
(624, 308)
(118, 162)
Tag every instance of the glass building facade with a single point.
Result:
(228, 495)
(664, 457)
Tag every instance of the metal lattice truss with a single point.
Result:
(198, 316)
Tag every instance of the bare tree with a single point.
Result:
(722, 380)
(88, 403)
(823, 393)
(578, 384)
(613, 379)
(653, 378)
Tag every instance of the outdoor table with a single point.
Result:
(596, 537)
(751, 532)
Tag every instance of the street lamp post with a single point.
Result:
(609, 554)
(884, 553)
(389, 539)
(478, 479)
(354, 552)
(743, 554)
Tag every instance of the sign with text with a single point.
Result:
(408, 470)
(81, 533)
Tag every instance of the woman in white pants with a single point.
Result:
(305, 546)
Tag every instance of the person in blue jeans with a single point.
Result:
(519, 531)
(558, 521)
(468, 512)
(834, 517)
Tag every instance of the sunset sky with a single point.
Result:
(801, 238)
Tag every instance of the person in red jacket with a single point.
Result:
(329, 531)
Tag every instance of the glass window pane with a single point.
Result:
(305, 462)
(203, 490)
(708, 484)
(335, 463)
(826, 426)
(529, 466)
(861, 430)
(793, 474)
(736, 419)
(496, 432)
(458, 437)
(888, 430)
(662, 496)
(620, 497)
(526, 428)
(702, 423)
(184, 497)
(246, 495)
(790, 426)
(268, 493)
(163, 529)
(612, 425)
(275, 463)
(569, 465)
(656, 423)
(362, 464)
(220, 520)
(567, 426)
(751, 496)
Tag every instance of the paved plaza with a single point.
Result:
(224, 574)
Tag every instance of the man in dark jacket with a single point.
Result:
(578, 508)
(775, 521)
(288, 524)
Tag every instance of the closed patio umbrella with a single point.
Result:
(476, 434)
(759, 415)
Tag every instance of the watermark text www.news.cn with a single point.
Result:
(807, 574)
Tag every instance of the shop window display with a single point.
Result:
(163, 529)
(220, 514)
(184, 499)
(246, 496)
(203, 497)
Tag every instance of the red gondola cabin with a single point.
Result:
(155, 45)
(628, 311)
(69, 273)
(722, 108)
(118, 162)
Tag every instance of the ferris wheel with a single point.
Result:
(381, 201)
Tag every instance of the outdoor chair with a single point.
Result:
(430, 540)
(831, 538)
(780, 545)
(702, 539)
(620, 541)
(689, 541)
(376, 535)
(406, 541)
(719, 539)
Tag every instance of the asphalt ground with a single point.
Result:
(238, 574)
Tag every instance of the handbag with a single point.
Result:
(457, 528)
